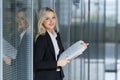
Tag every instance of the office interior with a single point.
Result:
(94, 21)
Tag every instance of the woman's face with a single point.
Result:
(22, 23)
(49, 21)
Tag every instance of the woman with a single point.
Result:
(48, 48)
(20, 41)
(22, 54)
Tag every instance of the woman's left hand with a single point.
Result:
(85, 44)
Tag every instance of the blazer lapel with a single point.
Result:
(60, 45)
(50, 45)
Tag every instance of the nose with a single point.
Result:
(19, 21)
(51, 20)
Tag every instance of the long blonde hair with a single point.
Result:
(40, 28)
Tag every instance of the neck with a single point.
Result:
(51, 31)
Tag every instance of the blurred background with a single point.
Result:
(9, 21)
(94, 21)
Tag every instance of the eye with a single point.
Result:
(22, 18)
(54, 17)
(46, 18)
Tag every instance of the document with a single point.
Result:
(9, 50)
(74, 51)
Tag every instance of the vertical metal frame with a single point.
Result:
(116, 39)
(104, 33)
(32, 78)
(89, 2)
(69, 37)
(1, 51)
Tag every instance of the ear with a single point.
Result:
(42, 24)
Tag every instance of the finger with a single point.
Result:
(68, 61)
(87, 44)
(9, 62)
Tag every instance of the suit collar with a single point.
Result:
(50, 44)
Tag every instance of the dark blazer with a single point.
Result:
(22, 59)
(21, 63)
(45, 63)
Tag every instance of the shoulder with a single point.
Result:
(58, 35)
(42, 38)
(41, 41)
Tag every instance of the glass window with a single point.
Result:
(17, 40)
(110, 76)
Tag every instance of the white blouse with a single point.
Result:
(54, 41)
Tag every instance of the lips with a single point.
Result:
(51, 24)
(20, 24)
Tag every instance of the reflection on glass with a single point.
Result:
(17, 40)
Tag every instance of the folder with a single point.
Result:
(9, 50)
(73, 51)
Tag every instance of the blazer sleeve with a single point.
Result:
(39, 52)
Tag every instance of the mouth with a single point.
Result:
(51, 24)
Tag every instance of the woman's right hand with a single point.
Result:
(7, 60)
(62, 62)
(85, 44)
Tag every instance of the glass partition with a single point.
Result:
(94, 21)
(17, 39)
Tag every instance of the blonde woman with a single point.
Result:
(48, 47)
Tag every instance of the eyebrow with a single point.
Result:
(48, 16)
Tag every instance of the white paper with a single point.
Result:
(73, 51)
(9, 50)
